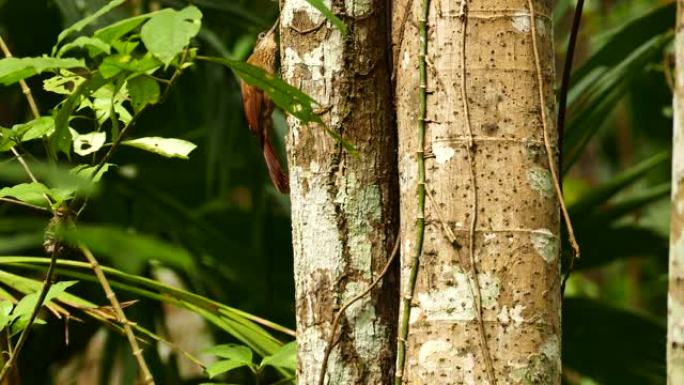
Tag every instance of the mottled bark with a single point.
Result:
(516, 237)
(675, 332)
(344, 207)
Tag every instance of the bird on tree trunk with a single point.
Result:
(259, 107)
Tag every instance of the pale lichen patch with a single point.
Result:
(428, 351)
(676, 321)
(414, 315)
(521, 21)
(443, 152)
(358, 8)
(540, 180)
(545, 244)
(456, 303)
(292, 7)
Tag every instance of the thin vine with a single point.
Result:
(414, 260)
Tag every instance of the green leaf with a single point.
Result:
(85, 144)
(63, 84)
(60, 140)
(285, 357)
(612, 346)
(86, 171)
(168, 32)
(124, 62)
(127, 248)
(33, 193)
(115, 31)
(5, 310)
(79, 25)
(220, 367)
(325, 11)
(167, 147)
(600, 195)
(22, 312)
(143, 91)
(594, 98)
(94, 46)
(13, 69)
(234, 352)
(34, 129)
(285, 96)
(61, 180)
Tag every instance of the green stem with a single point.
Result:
(420, 193)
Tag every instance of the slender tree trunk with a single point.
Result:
(344, 207)
(675, 332)
(487, 174)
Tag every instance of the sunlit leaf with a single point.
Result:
(220, 367)
(168, 32)
(285, 357)
(233, 352)
(94, 46)
(64, 84)
(167, 147)
(33, 193)
(85, 144)
(115, 31)
(13, 69)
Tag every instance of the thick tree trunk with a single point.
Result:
(344, 207)
(502, 182)
(675, 333)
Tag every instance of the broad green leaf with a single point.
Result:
(613, 346)
(22, 311)
(123, 62)
(33, 193)
(233, 352)
(94, 46)
(63, 84)
(86, 171)
(143, 91)
(220, 367)
(325, 11)
(115, 31)
(285, 357)
(79, 25)
(167, 147)
(34, 129)
(62, 182)
(127, 248)
(168, 32)
(13, 69)
(85, 144)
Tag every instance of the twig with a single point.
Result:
(120, 315)
(24, 87)
(414, 260)
(25, 204)
(476, 292)
(565, 81)
(547, 144)
(338, 316)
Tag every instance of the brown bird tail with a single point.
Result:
(275, 171)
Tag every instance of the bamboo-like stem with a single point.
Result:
(474, 282)
(24, 204)
(338, 316)
(120, 315)
(547, 142)
(414, 260)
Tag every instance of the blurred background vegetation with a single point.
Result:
(220, 205)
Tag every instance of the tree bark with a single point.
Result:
(675, 332)
(344, 207)
(502, 180)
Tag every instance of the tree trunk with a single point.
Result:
(675, 332)
(344, 207)
(486, 174)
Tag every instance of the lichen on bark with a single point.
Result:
(517, 229)
(344, 210)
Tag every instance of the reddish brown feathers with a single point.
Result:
(259, 107)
